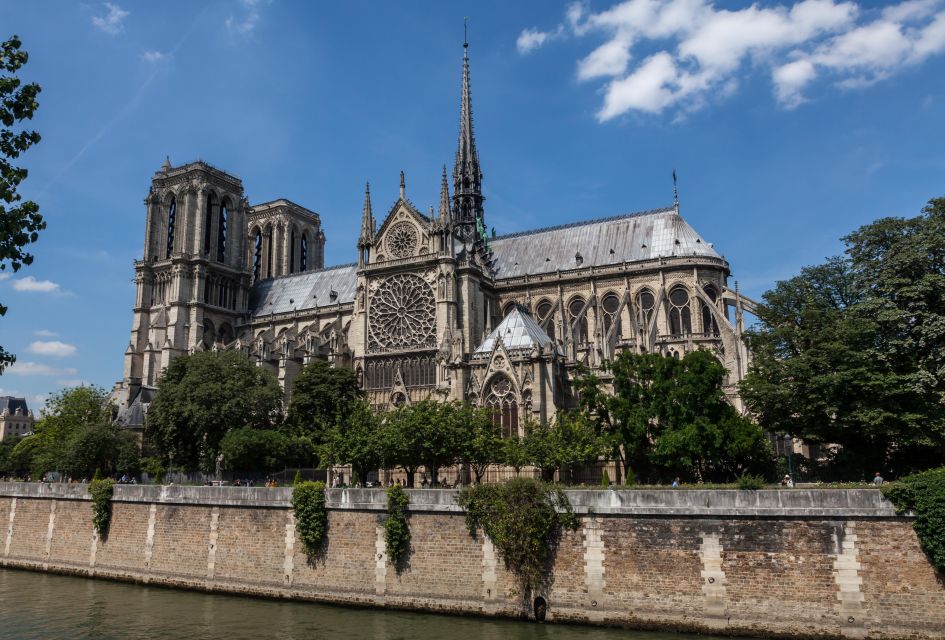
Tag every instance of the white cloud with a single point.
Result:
(112, 22)
(20, 368)
(54, 348)
(530, 39)
(29, 283)
(4, 275)
(691, 52)
(153, 56)
(246, 23)
(46, 333)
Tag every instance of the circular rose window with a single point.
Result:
(403, 313)
(402, 240)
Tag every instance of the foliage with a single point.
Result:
(311, 518)
(924, 494)
(749, 482)
(481, 438)
(200, 398)
(523, 518)
(355, 440)
(75, 436)
(427, 433)
(154, 467)
(396, 528)
(569, 440)
(247, 449)
(513, 453)
(9, 464)
(297, 480)
(670, 417)
(321, 395)
(605, 479)
(851, 352)
(20, 222)
(101, 491)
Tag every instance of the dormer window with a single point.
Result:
(578, 258)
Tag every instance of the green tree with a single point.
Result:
(423, 434)
(481, 438)
(20, 222)
(249, 449)
(569, 440)
(200, 398)
(852, 352)
(355, 440)
(513, 453)
(321, 394)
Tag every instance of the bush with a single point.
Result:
(748, 482)
(605, 479)
(523, 518)
(924, 494)
(396, 529)
(311, 518)
(101, 492)
(297, 480)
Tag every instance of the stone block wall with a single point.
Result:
(772, 563)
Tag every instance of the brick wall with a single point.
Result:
(832, 565)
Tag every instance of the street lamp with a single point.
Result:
(789, 447)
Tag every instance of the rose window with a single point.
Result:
(402, 313)
(402, 240)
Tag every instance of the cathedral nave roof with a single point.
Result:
(307, 290)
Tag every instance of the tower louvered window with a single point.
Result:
(171, 220)
(221, 233)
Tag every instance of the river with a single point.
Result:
(51, 607)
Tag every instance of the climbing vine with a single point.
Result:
(311, 518)
(396, 529)
(524, 519)
(924, 494)
(101, 492)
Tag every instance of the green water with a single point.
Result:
(37, 605)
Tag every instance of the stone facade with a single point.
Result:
(766, 563)
(434, 305)
(16, 418)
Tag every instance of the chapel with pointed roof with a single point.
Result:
(433, 306)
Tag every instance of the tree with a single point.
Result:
(248, 449)
(422, 434)
(104, 447)
(356, 440)
(321, 394)
(481, 439)
(567, 441)
(852, 352)
(20, 222)
(200, 398)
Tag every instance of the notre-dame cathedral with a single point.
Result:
(433, 306)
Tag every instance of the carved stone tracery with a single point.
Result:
(402, 314)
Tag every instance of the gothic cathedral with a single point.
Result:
(433, 306)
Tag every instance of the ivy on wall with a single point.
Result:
(101, 492)
(524, 519)
(396, 529)
(924, 494)
(311, 517)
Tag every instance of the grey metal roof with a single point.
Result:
(133, 414)
(306, 290)
(518, 331)
(660, 233)
(12, 403)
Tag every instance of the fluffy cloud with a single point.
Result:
(20, 368)
(29, 283)
(662, 55)
(113, 22)
(4, 275)
(53, 348)
(46, 333)
(245, 24)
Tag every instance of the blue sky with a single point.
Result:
(788, 123)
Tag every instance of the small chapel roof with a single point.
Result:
(306, 290)
(633, 237)
(518, 331)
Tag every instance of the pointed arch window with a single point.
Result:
(508, 309)
(645, 304)
(208, 223)
(709, 325)
(680, 315)
(257, 255)
(578, 319)
(611, 306)
(292, 251)
(221, 232)
(303, 255)
(171, 220)
(544, 312)
(501, 402)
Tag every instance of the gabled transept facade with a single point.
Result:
(433, 306)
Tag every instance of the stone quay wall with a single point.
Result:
(798, 563)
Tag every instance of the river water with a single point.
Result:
(51, 607)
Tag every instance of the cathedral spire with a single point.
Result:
(467, 175)
(367, 219)
(446, 218)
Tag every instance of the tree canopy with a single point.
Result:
(852, 352)
(20, 222)
(201, 397)
(321, 394)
